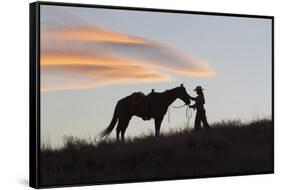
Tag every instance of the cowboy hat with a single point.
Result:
(198, 88)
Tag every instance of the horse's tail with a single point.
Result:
(112, 124)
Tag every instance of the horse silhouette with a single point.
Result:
(153, 106)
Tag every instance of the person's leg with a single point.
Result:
(197, 123)
(204, 120)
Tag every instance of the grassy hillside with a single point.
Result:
(229, 148)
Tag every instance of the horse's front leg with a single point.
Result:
(157, 123)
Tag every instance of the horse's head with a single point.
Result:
(182, 94)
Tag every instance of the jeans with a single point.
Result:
(201, 117)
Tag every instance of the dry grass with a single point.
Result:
(229, 148)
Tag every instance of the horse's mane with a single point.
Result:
(166, 91)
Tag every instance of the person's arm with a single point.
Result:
(192, 106)
(192, 98)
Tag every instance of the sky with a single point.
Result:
(92, 57)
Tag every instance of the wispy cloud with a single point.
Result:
(92, 33)
(92, 71)
(91, 56)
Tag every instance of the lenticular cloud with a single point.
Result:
(91, 56)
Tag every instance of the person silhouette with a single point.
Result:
(200, 110)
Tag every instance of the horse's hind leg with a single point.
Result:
(117, 132)
(123, 126)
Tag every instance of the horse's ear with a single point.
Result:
(181, 85)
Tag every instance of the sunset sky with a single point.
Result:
(91, 58)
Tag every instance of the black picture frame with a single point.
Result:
(34, 91)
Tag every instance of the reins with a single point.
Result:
(178, 106)
(188, 114)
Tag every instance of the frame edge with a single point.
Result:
(33, 104)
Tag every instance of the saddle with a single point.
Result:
(141, 104)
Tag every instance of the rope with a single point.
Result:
(188, 115)
(169, 114)
(179, 106)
